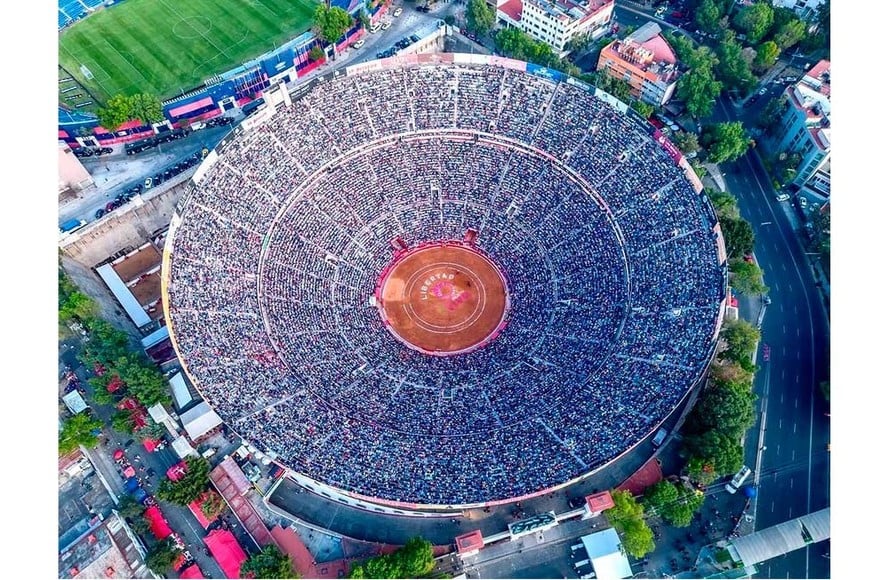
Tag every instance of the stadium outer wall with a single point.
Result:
(283, 93)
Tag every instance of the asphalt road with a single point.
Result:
(793, 424)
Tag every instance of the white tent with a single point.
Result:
(182, 447)
(200, 420)
(605, 552)
(74, 402)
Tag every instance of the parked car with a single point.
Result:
(100, 213)
(397, 11)
(386, 25)
(358, 44)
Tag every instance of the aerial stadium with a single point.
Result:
(444, 280)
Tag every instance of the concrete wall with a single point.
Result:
(127, 227)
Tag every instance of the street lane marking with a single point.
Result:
(792, 451)
(780, 423)
(798, 331)
(797, 379)
(791, 483)
(795, 401)
(771, 507)
(794, 431)
(783, 329)
(783, 374)
(798, 355)
(790, 289)
(781, 308)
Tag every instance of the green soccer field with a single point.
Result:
(166, 46)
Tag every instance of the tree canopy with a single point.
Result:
(330, 23)
(674, 502)
(734, 66)
(188, 488)
(480, 17)
(725, 205)
(515, 43)
(755, 21)
(707, 16)
(723, 454)
(728, 408)
(766, 56)
(413, 560)
(698, 87)
(738, 234)
(741, 338)
(746, 278)
(147, 108)
(162, 556)
(790, 32)
(686, 141)
(269, 563)
(616, 87)
(726, 141)
(79, 430)
(118, 110)
(626, 516)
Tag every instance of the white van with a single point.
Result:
(738, 479)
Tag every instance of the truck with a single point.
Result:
(660, 437)
(72, 225)
(738, 479)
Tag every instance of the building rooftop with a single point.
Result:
(648, 51)
(513, 9)
(569, 9)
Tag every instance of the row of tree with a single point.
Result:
(122, 108)
(627, 516)
(745, 275)
(413, 560)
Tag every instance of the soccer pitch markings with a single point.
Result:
(164, 48)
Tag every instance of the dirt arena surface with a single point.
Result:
(443, 300)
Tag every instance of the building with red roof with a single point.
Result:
(226, 551)
(598, 502)
(646, 61)
(470, 543)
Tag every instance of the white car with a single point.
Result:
(386, 25)
(782, 197)
(397, 12)
(763, 91)
(358, 43)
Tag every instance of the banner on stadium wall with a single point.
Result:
(611, 100)
(578, 83)
(508, 63)
(669, 147)
(434, 57)
(544, 72)
(689, 171)
(476, 59)
(365, 67)
(299, 91)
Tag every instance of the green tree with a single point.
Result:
(330, 23)
(79, 430)
(413, 560)
(479, 17)
(821, 38)
(728, 408)
(707, 16)
(727, 371)
(129, 508)
(515, 43)
(686, 141)
(122, 421)
(579, 43)
(771, 113)
(725, 205)
(698, 87)
(147, 108)
(755, 21)
(742, 339)
(627, 516)
(790, 32)
(739, 237)
(105, 343)
(162, 557)
(734, 67)
(118, 110)
(715, 451)
(616, 87)
(77, 306)
(645, 109)
(269, 563)
(364, 20)
(316, 53)
(746, 278)
(766, 56)
(189, 487)
(725, 141)
(212, 504)
(675, 503)
(151, 430)
(450, 20)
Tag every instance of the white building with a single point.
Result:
(557, 22)
(804, 8)
(805, 130)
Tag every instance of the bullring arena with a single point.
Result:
(444, 280)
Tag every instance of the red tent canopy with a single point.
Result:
(177, 471)
(158, 524)
(192, 572)
(226, 551)
(150, 445)
(129, 472)
(118, 454)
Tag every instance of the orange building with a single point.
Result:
(644, 60)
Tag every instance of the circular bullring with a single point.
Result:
(443, 299)
(585, 297)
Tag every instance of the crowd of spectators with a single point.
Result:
(610, 259)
